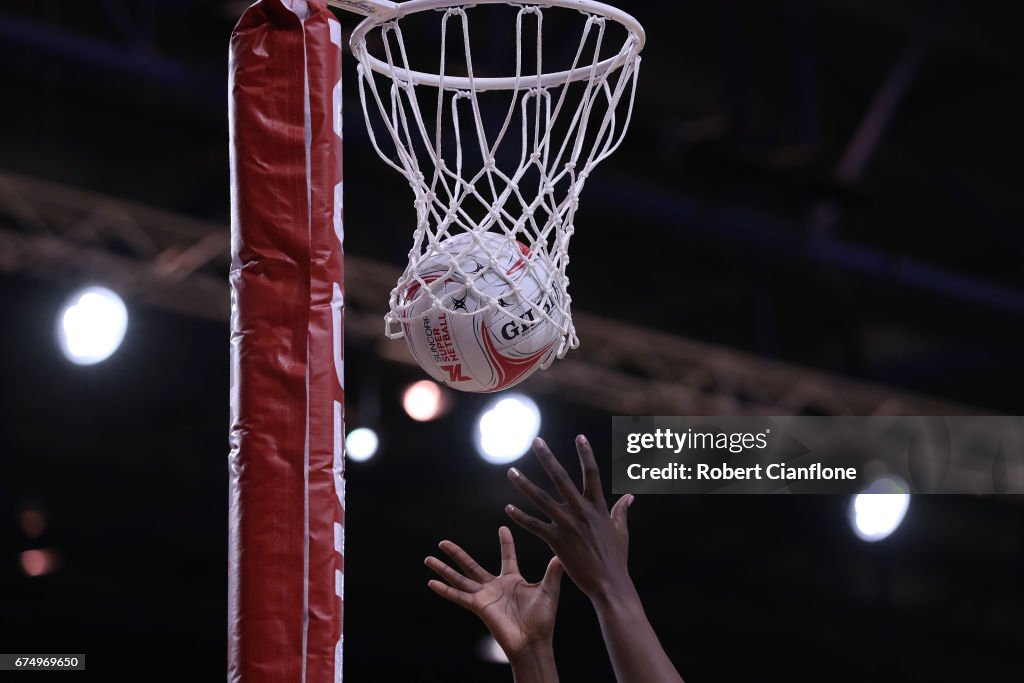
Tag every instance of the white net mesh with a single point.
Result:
(513, 168)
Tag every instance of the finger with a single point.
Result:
(591, 474)
(509, 564)
(557, 474)
(619, 517)
(552, 581)
(535, 494)
(451, 576)
(448, 593)
(536, 527)
(470, 567)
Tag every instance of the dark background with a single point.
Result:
(706, 224)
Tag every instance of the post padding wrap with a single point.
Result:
(286, 534)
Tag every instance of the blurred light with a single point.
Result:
(38, 562)
(423, 401)
(33, 523)
(361, 444)
(506, 429)
(490, 651)
(91, 325)
(879, 509)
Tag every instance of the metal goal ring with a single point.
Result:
(634, 44)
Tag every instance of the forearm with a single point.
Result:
(535, 664)
(636, 654)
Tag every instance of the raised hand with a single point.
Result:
(593, 544)
(520, 615)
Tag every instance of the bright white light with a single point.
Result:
(490, 651)
(91, 325)
(423, 401)
(879, 510)
(506, 429)
(361, 444)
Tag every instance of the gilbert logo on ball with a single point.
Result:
(480, 314)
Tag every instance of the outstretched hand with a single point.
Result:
(520, 615)
(593, 544)
(590, 541)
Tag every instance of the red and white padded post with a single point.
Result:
(287, 495)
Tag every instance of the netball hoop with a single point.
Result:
(485, 152)
(496, 145)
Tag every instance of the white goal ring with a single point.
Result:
(392, 11)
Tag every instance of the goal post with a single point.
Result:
(286, 468)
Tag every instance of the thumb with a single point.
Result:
(552, 581)
(618, 513)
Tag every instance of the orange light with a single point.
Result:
(33, 523)
(38, 562)
(424, 401)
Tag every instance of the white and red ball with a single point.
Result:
(473, 345)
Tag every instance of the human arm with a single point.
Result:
(593, 546)
(520, 615)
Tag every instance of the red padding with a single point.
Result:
(286, 538)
